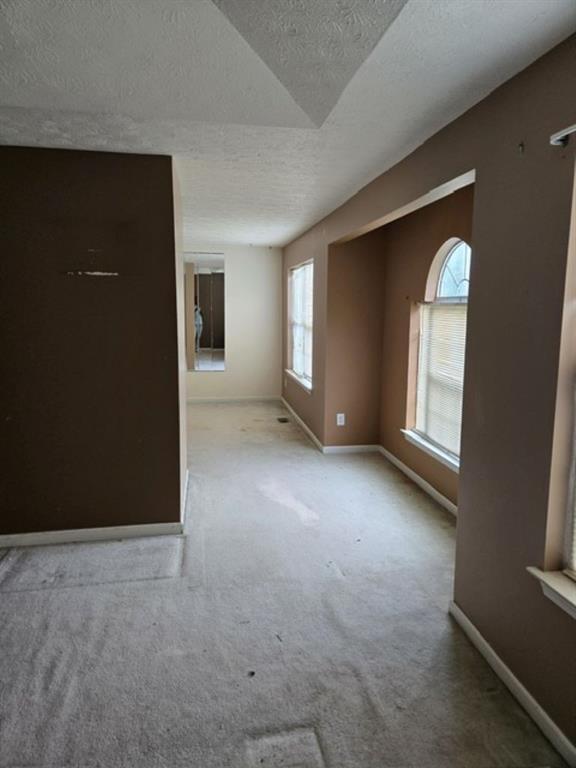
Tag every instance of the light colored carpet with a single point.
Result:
(301, 623)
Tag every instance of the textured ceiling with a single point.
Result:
(176, 77)
(314, 48)
(144, 59)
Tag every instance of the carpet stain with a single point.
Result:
(279, 493)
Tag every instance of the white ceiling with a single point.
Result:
(277, 110)
(314, 48)
(205, 259)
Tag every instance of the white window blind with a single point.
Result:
(571, 553)
(441, 374)
(300, 320)
(571, 525)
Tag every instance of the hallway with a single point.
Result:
(301, 622)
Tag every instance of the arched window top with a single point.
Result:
(454, 277)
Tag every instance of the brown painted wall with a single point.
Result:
(374, 285)
(410, 245)
(90, 432)
(218, 309)
(205, 303)
(522, 203)
(354, 341)
(309, 405)
(211, 296)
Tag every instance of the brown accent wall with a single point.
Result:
(410, 246)
(205, 304)
(308, 404)
(211, 301)
(522, 204)
(89, 402)
(355, 311)
(218, 309)
(375, 283)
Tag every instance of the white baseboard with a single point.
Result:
(89, 534)
(304, 427)
(424, 484)
(350, 449)
(334, 449)
(548, 727)
(252, 398)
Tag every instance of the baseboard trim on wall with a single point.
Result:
(350, 449)
(335, 449)
(303, 426)
(424, 484)
(548, 727)
(251, 398)
(90, 534)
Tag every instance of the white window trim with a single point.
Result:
(421, 441)
(305, 383)
(558, 587)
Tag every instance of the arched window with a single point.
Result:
(440, 379)
(454, 279)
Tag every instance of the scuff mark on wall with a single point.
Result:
(84, 273)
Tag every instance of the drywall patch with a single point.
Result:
(299, 748)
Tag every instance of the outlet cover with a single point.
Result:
(340, 419)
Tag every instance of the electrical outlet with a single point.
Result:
(340, 419)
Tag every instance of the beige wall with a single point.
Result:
(522, 204)
(253, 327)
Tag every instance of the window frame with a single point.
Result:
(303, 380)
(416, 436)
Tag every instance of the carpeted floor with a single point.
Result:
(300, 623)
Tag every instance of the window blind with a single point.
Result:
(571, 553)
(301, 301)
(441, 374)
(570, 559)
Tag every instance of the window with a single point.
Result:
(440, 379)
(571, 545)
(570, 539)
(300, 300)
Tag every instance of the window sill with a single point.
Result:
(557, 587)
(304, 383)
(431, 449)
